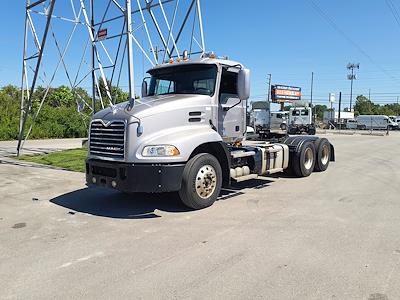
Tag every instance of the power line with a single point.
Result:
(394, 11)
(331, 22)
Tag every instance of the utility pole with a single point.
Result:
(269, 88)
(268, 101)
(340, 107)
(351, 77)
(311, 98)
(369, 99)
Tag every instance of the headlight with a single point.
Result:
(160, 150)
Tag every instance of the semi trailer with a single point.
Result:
(186, 135)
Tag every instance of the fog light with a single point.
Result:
(94, 180)
(113, 184)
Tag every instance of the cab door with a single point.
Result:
(231, 110)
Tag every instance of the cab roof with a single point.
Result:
(205, 60)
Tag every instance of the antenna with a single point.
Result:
(92, 46)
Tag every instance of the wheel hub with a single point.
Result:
(325, 154)
(308, 158)
(206, 181)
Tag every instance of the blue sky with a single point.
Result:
(289, 39)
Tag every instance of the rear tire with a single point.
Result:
(304, 160)
(311, 131)
(323, 154)
(292, 130)
(201, 181)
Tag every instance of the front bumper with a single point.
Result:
(128, 177)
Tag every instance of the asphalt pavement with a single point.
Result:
(333, 235)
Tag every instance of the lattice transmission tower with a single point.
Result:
(95, 45)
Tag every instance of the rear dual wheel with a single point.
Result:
(310, 156)
(323, 154)
(303, 161)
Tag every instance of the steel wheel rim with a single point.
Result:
(206, 181)
(308, 158)
(325, 154)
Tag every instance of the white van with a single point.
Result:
(351, 124)
(376, 122)
(279, 120)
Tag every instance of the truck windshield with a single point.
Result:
(184, 79)
(295, 113)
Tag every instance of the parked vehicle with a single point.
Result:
(300, 120)
(376, 122)
(186, 134)
(260, 117)
(351, 124)
(279, 120)
(395, 119)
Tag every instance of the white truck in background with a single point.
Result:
(279, 120)
(376, 122)
(300, 121)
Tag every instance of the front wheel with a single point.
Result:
(311, 131)
(201, 181)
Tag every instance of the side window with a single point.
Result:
(304, 112)
(164, 87)
(204, 86)
(279, 116)
(228, 88)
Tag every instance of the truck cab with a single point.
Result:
(186, 134)
(300, 120)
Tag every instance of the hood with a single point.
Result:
(148, 106)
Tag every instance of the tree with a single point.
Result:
(117, 94)
(364, 106)
(319, 111)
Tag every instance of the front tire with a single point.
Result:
(201, 181)
(311, 131)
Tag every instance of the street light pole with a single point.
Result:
(351, 77)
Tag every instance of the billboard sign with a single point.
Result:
(283, 93)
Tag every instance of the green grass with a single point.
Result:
(73, 160)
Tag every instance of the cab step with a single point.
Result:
(239, 154)
(245, 177)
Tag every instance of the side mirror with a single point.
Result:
(144, 88)
(243, 84)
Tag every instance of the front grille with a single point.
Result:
(107, 141)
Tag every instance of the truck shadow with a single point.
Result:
(113, 204)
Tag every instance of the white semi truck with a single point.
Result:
(186, 134)
(300, 120)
